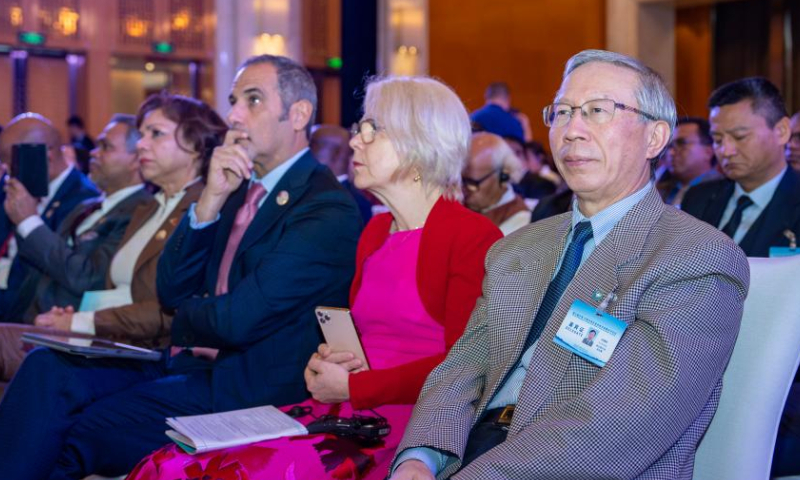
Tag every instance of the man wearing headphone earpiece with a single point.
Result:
(487, 176)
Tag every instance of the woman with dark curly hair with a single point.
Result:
(178, 135)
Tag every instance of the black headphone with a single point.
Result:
(503, 176)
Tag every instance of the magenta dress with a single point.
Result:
(395, 329)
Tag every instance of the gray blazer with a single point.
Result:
(680, 284)
(62, 272)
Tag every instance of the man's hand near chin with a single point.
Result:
(230, 166)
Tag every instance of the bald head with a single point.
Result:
(330, 144)
(33, 128)
(489, 155)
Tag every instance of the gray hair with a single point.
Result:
(294, 84)
(652, 94)
(428, 126)
(132, 134)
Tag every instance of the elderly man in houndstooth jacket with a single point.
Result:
(509, 402)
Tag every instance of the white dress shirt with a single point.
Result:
(761, 197)
(124, 261)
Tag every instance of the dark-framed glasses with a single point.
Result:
(474, 184)
(366, 129)
(596, 112)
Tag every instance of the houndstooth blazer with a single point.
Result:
(680, 284)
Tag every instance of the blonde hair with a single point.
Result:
(427, 125)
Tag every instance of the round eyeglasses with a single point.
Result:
(597, 112)
(366, 129)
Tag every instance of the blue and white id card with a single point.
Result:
(775, 252)
(590, 333)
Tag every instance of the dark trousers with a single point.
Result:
(65, 417)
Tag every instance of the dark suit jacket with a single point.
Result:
(143, 323)
(364, 205)
(62, 272)
(75, 189)
(292, 258)
(707, 202)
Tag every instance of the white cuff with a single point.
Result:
(83, 322)
(28, 225)
(194, 223)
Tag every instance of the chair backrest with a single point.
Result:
(739, 442)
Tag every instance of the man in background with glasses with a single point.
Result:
(691, 159)
(520, 396)
(490, 169)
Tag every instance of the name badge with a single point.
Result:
(590, 333)
(775, 252)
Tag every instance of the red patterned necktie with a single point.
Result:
(243, 219)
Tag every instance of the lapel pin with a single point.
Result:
(56, 204)
(49, 213)
(791, 237)
(282, 198)
(604, 299)
(161, 235)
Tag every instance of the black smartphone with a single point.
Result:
(29, 166)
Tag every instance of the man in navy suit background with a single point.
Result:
(21, 212)
(272, 236)
(758, 205)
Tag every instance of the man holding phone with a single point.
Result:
(66, 188)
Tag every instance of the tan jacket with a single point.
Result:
(143, 323)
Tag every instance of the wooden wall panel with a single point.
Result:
(693, 60)
(524, 43)
(6, 107)
(48, 90)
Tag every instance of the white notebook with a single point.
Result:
(201, 433)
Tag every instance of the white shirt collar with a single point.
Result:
(762, 195)
(53, 187)
(508, 196)
(112, 200)
(271, 179)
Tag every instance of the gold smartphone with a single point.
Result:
(340, 331)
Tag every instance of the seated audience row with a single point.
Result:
(222, 269)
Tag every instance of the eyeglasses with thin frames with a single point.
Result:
(366, 129)
(597, 112)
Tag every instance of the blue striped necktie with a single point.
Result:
(570, 264)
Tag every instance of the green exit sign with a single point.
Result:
(335, 63)
(163, 47)
(31, 38)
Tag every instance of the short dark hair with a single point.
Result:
(295, 83)
(75, 121)
(200, 129)
(497, 89)
(703, 128)
(765, 97)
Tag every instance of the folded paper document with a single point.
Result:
(201, 433)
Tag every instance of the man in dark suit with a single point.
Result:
(758, 205)
(509, 401)
(330, 144)
(22, 213)
(75, 258)
(272, 236)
